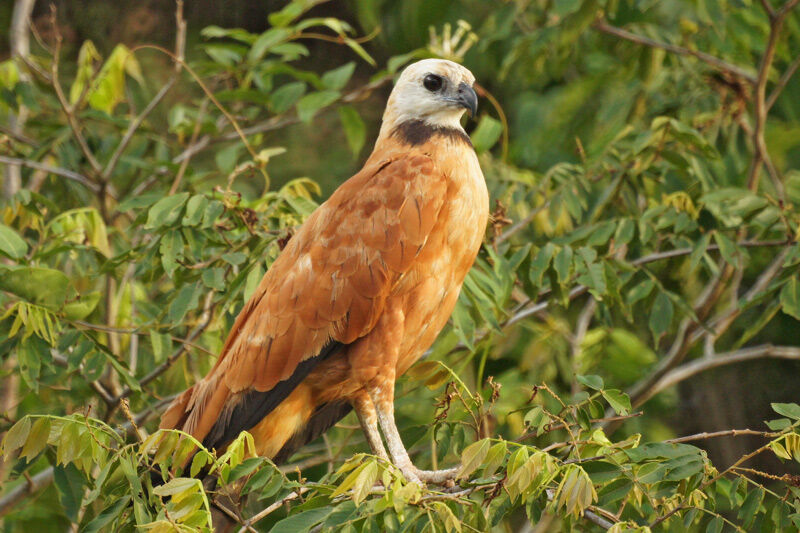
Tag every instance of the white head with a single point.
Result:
(435, 91)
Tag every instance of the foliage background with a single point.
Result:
(638, 285)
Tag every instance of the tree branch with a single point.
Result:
(692, 368)
(272, 508)
(208, 313)
(717, 63)
(20, 41)
(37, 482)
(776, 20)
(64, 173)
(785, 77)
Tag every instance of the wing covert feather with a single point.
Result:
(331, 281)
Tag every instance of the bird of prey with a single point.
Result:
(360, 291)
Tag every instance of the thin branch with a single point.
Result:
(720, 323)
(272, 508)
(98, 387)
(205, 320)
(681, 344)
(725, 433)
(776, 20)
(693, 368)
(717, 63)
(63, 172)
(785, 77)
(34, 484)
(195, 133)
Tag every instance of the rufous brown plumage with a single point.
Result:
(360, 291)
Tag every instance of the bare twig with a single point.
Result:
(63, 172)
(761, 156)
(725, 433)
(205, 320)
(185, 163)
(717, 63)
(19, 39)
(272, 508)
(785, 77)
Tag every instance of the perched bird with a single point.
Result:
(360, 291)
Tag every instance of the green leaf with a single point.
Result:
(177, 486)
(227, 157)
(563, 264)
(660, 315)
(472, 457)
(790, 297)
(213, 211)
(354, 129)
(83, 307)
(267, 40)
(715, 525)
(108, 88)
(186, 299)
(541, 262)
(100, 522)
(29, 358)
(285, 96)
(750, 506)
(337, 78)
(166, 211)
(792, 410)
(618, 400)
(11, 244)
(727, 248)
(16, 436)
(37, 438)
(310, 104)
(593, 382)
(366, 479)
(171, 249)
(70, 483)
(38, 285)
(494, 458)
(486, 134)
(195, 208)
(289, 13)
(87, 57)
(302, 522)
(161, 344)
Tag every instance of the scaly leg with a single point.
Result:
(369, 423)
(385, 410)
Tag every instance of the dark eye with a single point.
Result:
(432, 82)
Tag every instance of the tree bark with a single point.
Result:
(20, 40)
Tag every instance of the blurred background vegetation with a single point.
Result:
(643, 160)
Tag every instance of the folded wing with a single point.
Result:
(326, 289)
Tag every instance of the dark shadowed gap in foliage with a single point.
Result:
(737, 396)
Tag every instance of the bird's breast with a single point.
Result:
(428, 293)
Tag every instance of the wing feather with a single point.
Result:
(329, 285)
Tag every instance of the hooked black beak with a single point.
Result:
(467, 98)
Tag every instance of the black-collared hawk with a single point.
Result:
(361, 290)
